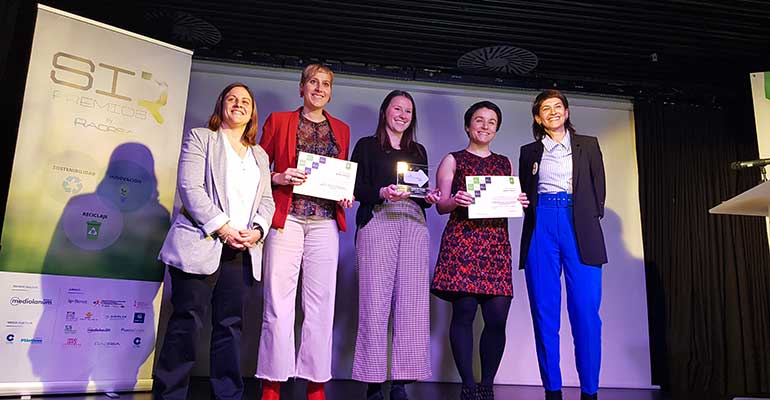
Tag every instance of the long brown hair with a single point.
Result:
(409, 138)
(215, 121)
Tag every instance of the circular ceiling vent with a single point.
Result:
(505, 59)
(181, 27)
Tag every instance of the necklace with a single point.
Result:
(307, 117)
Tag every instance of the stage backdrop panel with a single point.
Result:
(440, 110)
(88, 207)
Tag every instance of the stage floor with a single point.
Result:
(351, 390)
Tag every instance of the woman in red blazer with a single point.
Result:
(304, 237)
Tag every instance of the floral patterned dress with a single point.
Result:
(475, 254)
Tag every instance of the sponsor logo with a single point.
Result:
(88, 316)
(71, 316)
(115, 317)
(77, 301)
(106, 343)
(138, 317)
(16, 287)
(9, 338)
(131, 330)
(110, 303)
(70, 330)
(99, 330)
(31, 340)
(137, 341)
(11, 323)
(17, 301)
(142, 305)
(75, 291)
(72, 342)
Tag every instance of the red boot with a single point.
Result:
(315, 391)
(270, 390)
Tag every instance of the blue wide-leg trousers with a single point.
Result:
(553, 249)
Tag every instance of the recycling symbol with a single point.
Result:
(72, 184)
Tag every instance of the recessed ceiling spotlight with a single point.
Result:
(503, 59)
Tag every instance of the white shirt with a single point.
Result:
(241, 183)
(556, 166)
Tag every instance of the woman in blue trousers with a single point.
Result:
(563, 175)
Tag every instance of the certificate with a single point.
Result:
(412, 179)
(494, 196)
(327, 177)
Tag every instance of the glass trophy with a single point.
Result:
(412, 179)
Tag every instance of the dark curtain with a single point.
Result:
(708, 276)
(16, 28)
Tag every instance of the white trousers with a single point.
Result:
(310, 246)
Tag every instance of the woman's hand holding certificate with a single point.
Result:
(494, 197)
(326, 177)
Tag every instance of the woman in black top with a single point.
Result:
(391, 254)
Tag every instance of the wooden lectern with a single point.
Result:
(755, 201)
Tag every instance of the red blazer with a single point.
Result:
(279, 139)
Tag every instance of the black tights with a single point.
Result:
(494, 309)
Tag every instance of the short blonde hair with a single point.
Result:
(313, 69)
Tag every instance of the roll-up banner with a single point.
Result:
(88, 207)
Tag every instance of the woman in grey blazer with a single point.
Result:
(214, 246)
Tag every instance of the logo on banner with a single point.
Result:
(142, 305)
(72, 184)
(84, 74)
(23, 288)
(9, 338)
(71, 316)
(72, 342)
(16, 301)
(89, 316)
(131, 330)
(92, 229)
(115, 317)
(69, 330)
(138, 317)
(99, 330)
(31, 340)
(106, 343)
(137, 342)
(110, 303)
(15, 323)
(77, 301)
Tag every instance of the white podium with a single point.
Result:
(755, 201)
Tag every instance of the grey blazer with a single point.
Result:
(190, 244)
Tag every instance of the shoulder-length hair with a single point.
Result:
(537, 130)
(215, 121)
(409, 138)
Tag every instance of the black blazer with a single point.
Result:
(588, 194)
